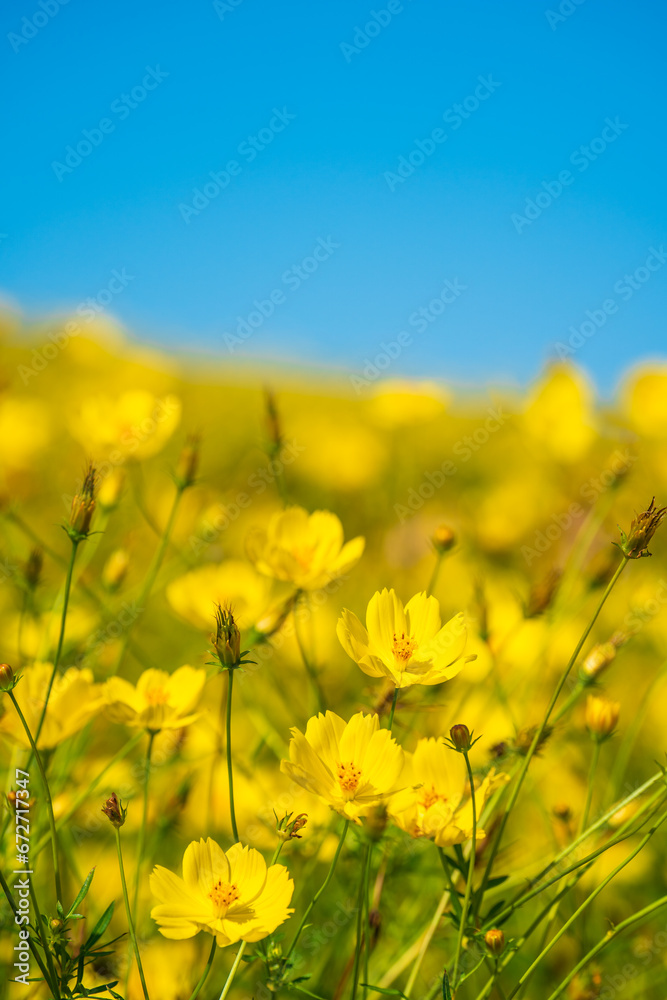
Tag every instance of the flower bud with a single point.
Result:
(7, 678)
(56, 924)
(188, 462)
(563, 812)
(643, 527)
(443, 539)
(597, 660)
(111, 487)
(495, 941)
(115, 569)
(113, 809)
(523, 740)
(601, 716)
(461, 737)
(83, 508)
(227, 637)
(542, 594)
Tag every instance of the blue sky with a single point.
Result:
(305, 111)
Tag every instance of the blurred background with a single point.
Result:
(466, 191)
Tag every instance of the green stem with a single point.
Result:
(360, 942)
(595, 759)
(130, 924)
(232, 972)
(142, 829)
(319, 892)
(471, 871)
(47, 796)
(603, 942)
(393, 708)
(207, 969)
(435, 574)
(41, 930)
(153, 571)
(61, 639)
(230, 771)
(540, 733)
(586, 903)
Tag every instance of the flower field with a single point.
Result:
(328, 688)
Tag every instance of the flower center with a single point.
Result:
(223, 895)
(430, 797)
(157, 696)
(403, 646)
(348, 776)
(304, 555)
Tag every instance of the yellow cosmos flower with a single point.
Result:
(306, 549)
(75, 699)
(435, 801)
(194, 595)
(233, 896)
(406, 644)
(135, 425)
(159, 700)
(601, 716)
(353, 766)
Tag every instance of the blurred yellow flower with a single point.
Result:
(195, 595)
(601, 716)
(75, 699)
(306, 549)
(232, 895)
(434, 802)
(24, 431)
(159, 700)
(401, 403)
(560, 415)
(136, 424)
(645, 400)
(353, 766)
(406, 644)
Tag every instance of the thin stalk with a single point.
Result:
(540, 733)
(47, 796)
(142, 829)
(393, 708)
(207, 969)
(232, 972)
(319, 892)
(41, 930)
(361, 944)
(230, 771)
(595, 759)
(471, 871)
(153, 571)
(586, 903)
(130, 923)
(310, 667)
(603, 942)
(435, 574)
(61, 638)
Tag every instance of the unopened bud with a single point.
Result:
(188, 463)
(523, 740)
(460, 736)
(227, 637)
(7, 678)
(597, 660)
(443, 539)
(113, 809)
(83, 508)
(56, 924)
(115, 569)
(601, 716)
(643, 527)
(33, 568)
(495, 941)
(563, 812)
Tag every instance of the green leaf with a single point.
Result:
(99, 929)
(497, 881)
(446, 988)
(82, 895)
(387, 992)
